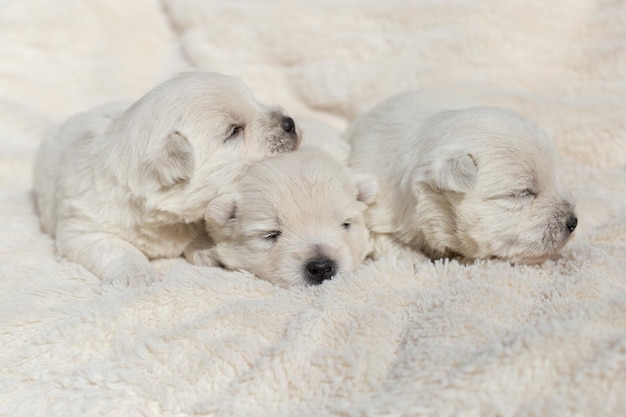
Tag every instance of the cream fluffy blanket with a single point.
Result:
(396, 338)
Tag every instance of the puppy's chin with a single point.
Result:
(531, 260)
(535, 259)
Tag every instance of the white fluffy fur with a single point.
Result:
(462, 179)
(392, 338)
(290, 216)
(120, 185)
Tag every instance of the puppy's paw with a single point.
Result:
(131, 274)
(385, 245)
(201, 257)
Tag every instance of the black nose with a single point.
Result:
(320, 269)
(288, 125)
(571, 223)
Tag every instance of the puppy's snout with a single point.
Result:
(320, 269)
(571, 222)
(288, 125)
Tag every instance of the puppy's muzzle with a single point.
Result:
(285, 137)
(320, 269)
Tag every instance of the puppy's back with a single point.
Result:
(62, 150)
(377, 136)
(389, 121)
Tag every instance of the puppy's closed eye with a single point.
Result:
(233, 132)
(271, 236)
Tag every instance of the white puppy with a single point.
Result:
(120, 185)
(295, 219)
(462, 180)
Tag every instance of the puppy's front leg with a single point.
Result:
(200, 251)
(112, 259)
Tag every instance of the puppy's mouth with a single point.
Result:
(284, 142)
(536, 255)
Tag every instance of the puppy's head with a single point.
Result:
(199, 131)
(296, 219)
(496, 174)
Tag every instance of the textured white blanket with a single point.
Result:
(396, 338)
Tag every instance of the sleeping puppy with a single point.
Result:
(120, 184)
(459, 179)
(295, 219)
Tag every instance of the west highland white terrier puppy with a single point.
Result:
(460, 179)
(119, 185)
(295, 219)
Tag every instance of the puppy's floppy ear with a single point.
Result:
(221, 210)
(174, 161)
(456, 173)
(367, 187)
